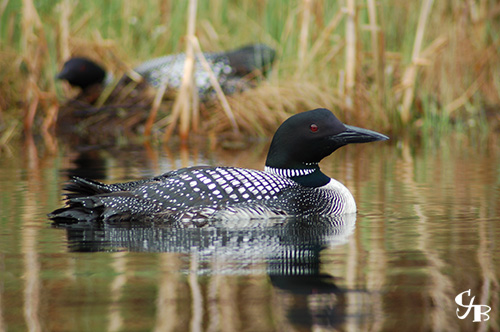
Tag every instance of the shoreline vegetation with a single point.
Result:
(391, 65)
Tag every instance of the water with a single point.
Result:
(427, 230)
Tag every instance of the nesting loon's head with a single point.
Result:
(82, 72)
(304, 139)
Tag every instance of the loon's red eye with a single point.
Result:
(314, 127)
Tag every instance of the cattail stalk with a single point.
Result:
(377, 50)
(184, 100)
(64, 51)
(321, 41)
(304, 34)
(154, 108)
(216, 86)
(31, 44)
(350, 69)
(410, 74)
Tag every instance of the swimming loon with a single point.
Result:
(233, 70)
(292, 183)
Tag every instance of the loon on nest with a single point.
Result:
(233, 70)
(292, 183)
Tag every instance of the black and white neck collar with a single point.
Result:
(290, 172)
(310, 176)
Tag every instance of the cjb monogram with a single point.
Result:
(478, 308)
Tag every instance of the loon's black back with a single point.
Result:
(292, 184)
(218, 192)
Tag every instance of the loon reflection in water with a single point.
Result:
(244, 244)
(290, 251)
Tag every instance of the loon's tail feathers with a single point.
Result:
(78, 209)
(90, 200)
(108, 207)
(80, 187)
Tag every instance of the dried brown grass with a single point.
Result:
(259, 110)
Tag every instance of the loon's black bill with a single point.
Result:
(360, 135)
(62, 74)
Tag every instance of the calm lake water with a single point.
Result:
(427, 230)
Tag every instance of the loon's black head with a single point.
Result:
(82, 72)
(306, 138)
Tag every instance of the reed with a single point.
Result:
(186, 101)
(409, 77)
(377, 51)
(350, 52)
(220, 94)
(395, 64)
(304, 35)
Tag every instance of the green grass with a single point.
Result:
(462, 73)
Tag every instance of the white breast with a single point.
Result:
(345, 198)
